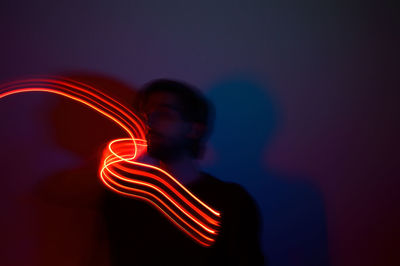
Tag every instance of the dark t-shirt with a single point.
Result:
(140, 235)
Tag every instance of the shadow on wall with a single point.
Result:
(294, 223)
(70, 229)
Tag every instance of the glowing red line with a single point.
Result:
(132, 171)
(162, 202)
(128, 114)
(111, 161)
(158, 207)
(119, 154)
(76, 99)
(162, 192)
(86, 103)
(161, 180)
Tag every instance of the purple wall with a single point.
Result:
(306, 90)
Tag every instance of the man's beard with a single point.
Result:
(165, 152)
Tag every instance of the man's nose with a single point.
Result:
(152, 120)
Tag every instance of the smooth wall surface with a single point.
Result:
(307, 117)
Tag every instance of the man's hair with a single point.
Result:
(195, 107)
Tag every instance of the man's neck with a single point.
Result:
(185, 169)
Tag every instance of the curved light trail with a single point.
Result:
(120, 170)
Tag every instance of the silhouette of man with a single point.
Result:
(179, 120)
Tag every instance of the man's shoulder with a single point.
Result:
(229, 192)
(226, 186)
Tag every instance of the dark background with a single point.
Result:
(307, 116)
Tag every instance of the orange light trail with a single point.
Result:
(121, 172)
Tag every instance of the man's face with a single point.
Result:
(167, 130)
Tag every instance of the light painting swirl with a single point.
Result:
(121, 170)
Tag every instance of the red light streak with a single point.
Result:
(120, 170)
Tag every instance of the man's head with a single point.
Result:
(179, 119)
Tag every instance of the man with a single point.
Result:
(179, 120)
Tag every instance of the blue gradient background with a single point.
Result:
(307, 115)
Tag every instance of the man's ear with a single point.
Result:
(196, 130)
